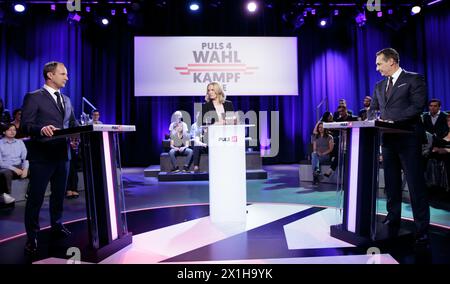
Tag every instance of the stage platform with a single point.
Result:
(273, 233)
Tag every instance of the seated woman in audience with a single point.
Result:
(13, 163)
(328, 117)
(322, 147)
(179, 146)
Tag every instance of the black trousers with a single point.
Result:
(6, 177)
(404, 151)
(198, 150)
(41, 173)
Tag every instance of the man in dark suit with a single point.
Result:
(401, 97)
(435, 120)
(44, 111)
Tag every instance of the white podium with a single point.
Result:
(227, 173)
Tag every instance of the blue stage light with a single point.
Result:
(19, 7)
(194, 6)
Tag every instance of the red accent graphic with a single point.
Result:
(233, 138)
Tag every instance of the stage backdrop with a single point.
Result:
(245, 66)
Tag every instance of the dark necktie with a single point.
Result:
(389, 88)
(58, 102)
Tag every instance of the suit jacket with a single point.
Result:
(440, 128)
(40, 109)
(209, 107)
(407, 100)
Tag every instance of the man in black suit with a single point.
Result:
(44, 111)
(401, 97)
(435, 120)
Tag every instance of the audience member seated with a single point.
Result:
(322, 147)
(17, 114)
(438, 167)
(13, 163)
(342, 102)
(5, 117)
(74, 166)
(362, 115)
(95, 117)
(177, 117)
(179, 144)
(435, 121)
(197, 134)
(344, 115)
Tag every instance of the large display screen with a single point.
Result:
(245, 66)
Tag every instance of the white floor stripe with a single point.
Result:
(314, 231)
(340, 259)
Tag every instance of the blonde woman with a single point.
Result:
(216, 107)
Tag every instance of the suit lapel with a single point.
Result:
(65, 105)
(397, 83)
(383, 91)
(47, 94)
(50, 98)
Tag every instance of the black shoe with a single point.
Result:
(422, 239)
(31, 246)
(315, 180)
(59, 232)
(391, 223)
(328, 174)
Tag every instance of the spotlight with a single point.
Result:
(336, 12)
(105, 21)
(313, 11)
(19, 7)
(124, 10)
(251, 7)
(88, 9)
(390, 12)
(323, 23)
(415, 10)
(113, 12)
(53, 7)
(194, 6)
(379, 14)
